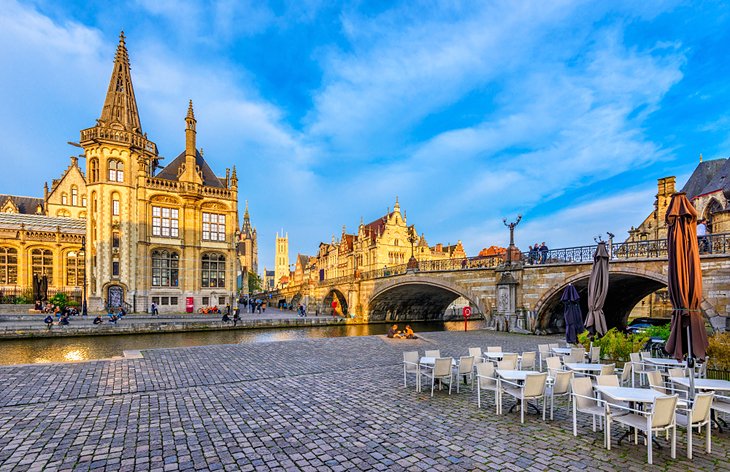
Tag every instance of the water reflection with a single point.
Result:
(43, 350)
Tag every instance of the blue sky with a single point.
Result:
(566, 112)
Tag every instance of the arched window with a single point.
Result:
(83, 200)
(165, 268)
(214, 270)
(64, 199)
(93, 202)
(93, 170)
(75, 266)
(116, 171)
(74, 196)
(63, 213)
(42, 263)
(8, 266)
(115, 205)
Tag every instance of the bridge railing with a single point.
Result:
(651, 249)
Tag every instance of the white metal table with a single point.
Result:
(631, 395)
(583, 367)
(704, 384)
(561, 351)
(427, 362)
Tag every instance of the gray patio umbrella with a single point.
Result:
(597, 290)
(572, 314)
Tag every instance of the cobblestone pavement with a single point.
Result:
(325, 404)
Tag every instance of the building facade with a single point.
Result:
(281, 265)
(248, 252)
(146, 233)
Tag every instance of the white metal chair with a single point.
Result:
(639, 367)
(465, 368)
(511, 357)
(584, 402)
(507, 364)
(595, 354)
(560, 387)
(543, 352)
(677, 372)
(487, 380)
(721, 405)
(494, 348)
(660, 418)
(410, 366)
(627, 374)
(554, 345)
(697, 417)
(476, 353)
(528, 360)
(608, 369)
(434, 353)
(553, 365)
(441, 371)
(532, 389)
(656, 381)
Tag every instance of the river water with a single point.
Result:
(82, 348)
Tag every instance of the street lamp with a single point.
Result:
(412, 238)
(511, 227)
(82, 252)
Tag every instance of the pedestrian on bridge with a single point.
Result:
(543, 253)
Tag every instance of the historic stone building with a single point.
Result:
(382, 243)
(248, 251)
(281, 258)
(146, 233)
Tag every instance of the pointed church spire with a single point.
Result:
(120, 105)
(245, 213)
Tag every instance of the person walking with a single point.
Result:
(236, 318)
(153, 309)
(543, 253)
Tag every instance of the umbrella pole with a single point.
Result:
(690, 363)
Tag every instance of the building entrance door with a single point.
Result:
(115, 296)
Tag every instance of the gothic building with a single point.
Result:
(133, 231)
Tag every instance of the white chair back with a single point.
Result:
(410, 360)
(553, 345)
(507, 364)
(442, 367)
(476, 353)
(466, 364)
(528, 360)
(595, 354)
(635, 357)
(583, 387)
(626, 373)
(663, 412)
(607, 380)
(433, 353)
(535, 385)
(645, 355)
(510, 357)
(543, 349)
(553, 364)
(677, 372)
(561, 383)
(494, 349)
(608, 369)
(487, 377)
(656, 381)
(701, 407)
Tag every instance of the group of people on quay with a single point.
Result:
(407, 333)
(537, 254)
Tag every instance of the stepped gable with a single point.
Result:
(171, 171)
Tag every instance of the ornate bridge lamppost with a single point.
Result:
(412, 238)
(511, 227)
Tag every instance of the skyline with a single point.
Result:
(330, 113)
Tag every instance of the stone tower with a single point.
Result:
(118, 157)
(281, 265)
(248, 256)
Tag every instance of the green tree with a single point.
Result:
(255, 284)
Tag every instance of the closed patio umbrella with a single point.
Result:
(597, 290)
(688, 335)
(572, 314)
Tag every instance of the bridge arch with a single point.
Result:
(414, 297)
(332, 295)
(627, 286)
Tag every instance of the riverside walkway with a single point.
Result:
(326, 404)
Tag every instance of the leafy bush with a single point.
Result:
(661, 332)
(22, 300)
(60, 300)
(616, 345)
(719, 351)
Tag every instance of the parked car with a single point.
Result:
(638, 325)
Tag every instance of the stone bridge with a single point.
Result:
(399, 294)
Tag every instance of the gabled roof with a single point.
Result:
(303, 260)
(720, 178)
(25, 205)
(700, 180)
(378, 226)
(170, 172)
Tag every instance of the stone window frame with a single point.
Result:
(75, 268)
(214, 227)
(165, 268)
(165, 222)
(8, 267)
(213, 263)
(41, 263)
(116, 170)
